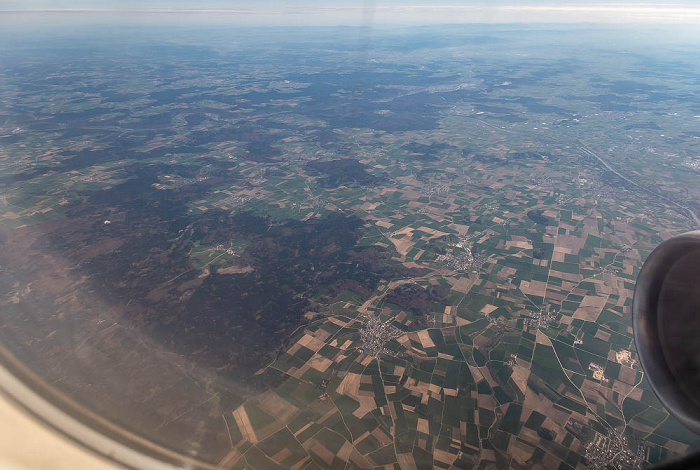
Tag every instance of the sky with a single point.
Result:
(390, 11)
(277, 4)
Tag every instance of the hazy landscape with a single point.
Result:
(402, 247)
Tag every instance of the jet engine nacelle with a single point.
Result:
(666, 322)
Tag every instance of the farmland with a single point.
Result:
(255, 255)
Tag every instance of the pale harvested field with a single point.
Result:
(241, 418)
(590, 307)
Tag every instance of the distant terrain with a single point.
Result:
(275, 248)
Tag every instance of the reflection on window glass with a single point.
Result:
(341, 237)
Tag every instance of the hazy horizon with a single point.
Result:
(385, 12)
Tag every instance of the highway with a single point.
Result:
(689, 211)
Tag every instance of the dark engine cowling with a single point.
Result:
(666, 322)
